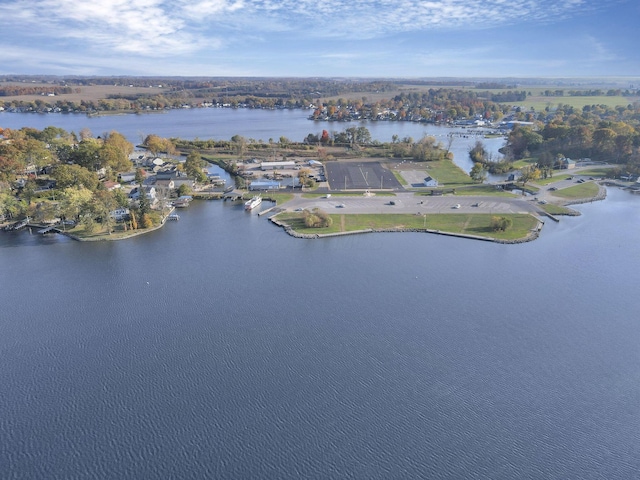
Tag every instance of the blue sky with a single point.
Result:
(304, 38)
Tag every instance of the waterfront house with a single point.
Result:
(164, 187)
(151, 193)
(119, 214)
(127, 177)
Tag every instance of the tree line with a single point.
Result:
(596, 132)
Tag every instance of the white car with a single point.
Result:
(457, 205)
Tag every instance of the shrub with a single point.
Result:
(500, 224)
(317, 219)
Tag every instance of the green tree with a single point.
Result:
(87, 154)
(184, 189)
(478, 173)
(75, 201)
(75, 175)
(500, 224)
(10, 205)
(143, 201)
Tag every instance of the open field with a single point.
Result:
(87, 93)
(468, 224)
(582, 190)
(540, 102)
(537, 99)
(446, 172)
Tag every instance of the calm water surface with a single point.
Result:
(219, 347)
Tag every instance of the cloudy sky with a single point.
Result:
(357, 38)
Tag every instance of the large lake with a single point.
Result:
(220, 347)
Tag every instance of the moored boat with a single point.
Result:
(253, 203)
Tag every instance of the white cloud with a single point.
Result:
(125, 32)
(148, 25)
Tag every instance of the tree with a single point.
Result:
(143, 201)
(478, 173)
(102, 205)
(500, 224)
(528, 173)
(115, 152)
(87, 154)
(194, 166)
(184, 189)
(478, 153)
(75, 201)
(10, 205)
(75, 176)
(522, 141)
(317, 218)
(156, 144)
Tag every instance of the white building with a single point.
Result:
(430, 182)
(277, 165)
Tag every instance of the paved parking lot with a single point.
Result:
(410, 203)
(359, 176)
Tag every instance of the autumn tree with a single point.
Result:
(316, 218)
(529, 173)
(194, 167)
(156, 144)
(478, 153)
(115, 152)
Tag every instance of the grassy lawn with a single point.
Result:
(448, 173)
(518, 164)
(555, 178)
(100, 233)
(470, 224)
(595, 172)
(400, 178)
(554, 209)
(484, 190)
(582, 190)
(347, 194)
(279, 198)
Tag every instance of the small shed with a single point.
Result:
(430, 182)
